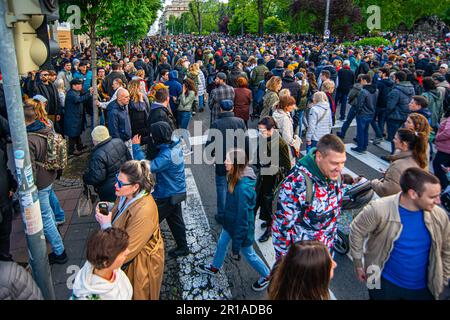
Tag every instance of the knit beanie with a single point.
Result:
(100, 134)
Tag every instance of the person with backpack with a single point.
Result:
(238, 220)
(435, 103)
(39, 136)
(444, 89)
(308, 200)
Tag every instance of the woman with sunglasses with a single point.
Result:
(238, 221)
(135, 212)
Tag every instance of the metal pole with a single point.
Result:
(29, 201)
(327, 16)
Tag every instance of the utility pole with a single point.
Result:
(28, 193)
(327, 20)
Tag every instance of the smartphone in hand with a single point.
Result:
(103, 208)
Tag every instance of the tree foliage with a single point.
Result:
(273, 25)
(129, 20)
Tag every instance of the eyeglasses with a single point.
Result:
(120, 183)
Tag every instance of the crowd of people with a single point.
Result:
(295, 88)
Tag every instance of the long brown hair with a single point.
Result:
(417, 143)
(303, 274)
(240, 161)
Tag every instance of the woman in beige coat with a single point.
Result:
(135, 211)
(411, 152)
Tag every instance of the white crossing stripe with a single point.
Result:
(202, 247)
(368, 158)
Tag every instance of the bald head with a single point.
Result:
(123, 97)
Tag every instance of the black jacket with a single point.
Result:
(367, 101)
(363, 68)
(7, 182)
(158, 112)
(138, 112)
(226, 120)
(109, 81)
(106, 159)
(346, 80)
(294, 88)
(384, 88)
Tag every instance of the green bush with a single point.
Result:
(374, 42)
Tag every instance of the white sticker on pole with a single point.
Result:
(19, 158)
(33, 220)
(29, 176)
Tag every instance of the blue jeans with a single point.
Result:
(351, 115)
(298, 121)
(183, 119)
(248, 252)
(221, 190)
(56, 207)
(362, 129)
(201, 102)
(342, 98)
(380, 116)
(392, 128)
(50, 231)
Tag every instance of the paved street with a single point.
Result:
(181, 281)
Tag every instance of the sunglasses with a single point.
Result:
(120, 183)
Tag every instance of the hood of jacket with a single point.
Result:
(157, 105)
(371, 88)
(405, 87)
(161, 133)
(88, 284)
(288, 79)
(387, 82)
(173, 75)
(309, 162)
(248, 173)
(38, 126)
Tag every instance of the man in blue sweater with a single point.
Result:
(405, 242)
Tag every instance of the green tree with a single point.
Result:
(273, 25)
(129, 20)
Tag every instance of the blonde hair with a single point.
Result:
(273, 84)
(60, 85)
(38, 108)
(134, 86)
(328, 86)
(140, 73)
(284, 93)
(320, 97)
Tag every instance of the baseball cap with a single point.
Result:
(226, 105)
(40, 98)
(444, 65)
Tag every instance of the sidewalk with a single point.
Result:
(74, 233)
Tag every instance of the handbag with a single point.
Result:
(86, 202)
(177, 198)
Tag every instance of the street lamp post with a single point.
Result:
(327, 19)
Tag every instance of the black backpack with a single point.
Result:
(447, 99)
